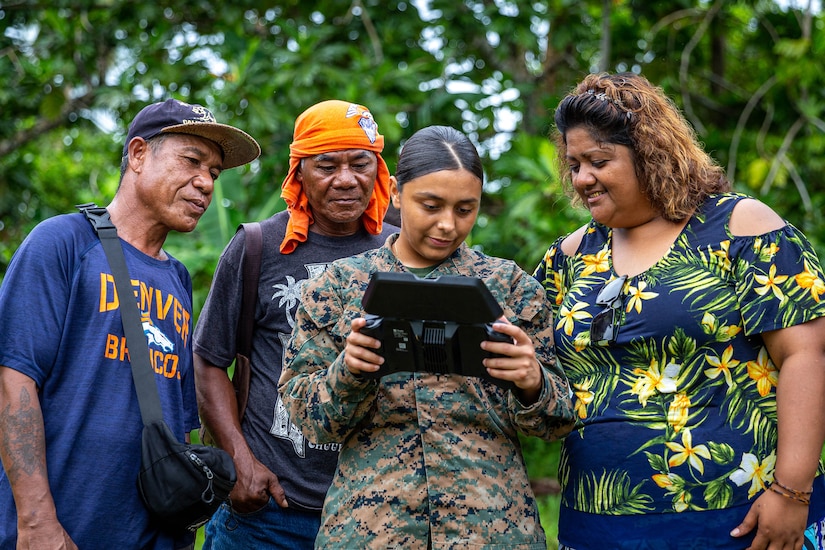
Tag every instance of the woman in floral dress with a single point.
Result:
(690, 320)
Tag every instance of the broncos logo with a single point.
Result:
(365, 121)
(154, 334)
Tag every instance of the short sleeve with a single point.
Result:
(549, 272)
(779, 280)
(215, 333)
(36, 294)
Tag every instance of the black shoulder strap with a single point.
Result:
(253, 246)
(142, 371)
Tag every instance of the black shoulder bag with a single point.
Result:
(181, 484)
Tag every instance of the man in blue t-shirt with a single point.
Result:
(70, 424)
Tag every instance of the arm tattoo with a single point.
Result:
(23, 439)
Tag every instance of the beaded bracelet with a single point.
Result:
(800, 496)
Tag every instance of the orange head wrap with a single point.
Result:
(332, 126)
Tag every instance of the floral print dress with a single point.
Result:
(677, 417)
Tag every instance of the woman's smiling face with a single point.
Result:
(438, 210)
(604, 176)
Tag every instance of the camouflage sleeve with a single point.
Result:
(323, 398)
(552, 416)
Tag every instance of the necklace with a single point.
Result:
(394, 251)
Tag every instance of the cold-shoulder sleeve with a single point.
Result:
(779, 280)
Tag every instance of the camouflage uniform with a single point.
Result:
(427, 460)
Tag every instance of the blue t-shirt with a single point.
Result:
(61, 326)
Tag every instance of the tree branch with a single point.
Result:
(740, 124)
(42, 126)
(685, 65)
(370, 28)
(782, 152)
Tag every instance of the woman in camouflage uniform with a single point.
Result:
(427, 460)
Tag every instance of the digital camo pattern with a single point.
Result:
(424, 456)
(679, 414)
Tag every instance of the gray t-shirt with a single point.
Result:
(303, 469)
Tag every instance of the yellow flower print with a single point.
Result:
(568, 317)
(757, 245)
(758, 474)
(581, 341)
(677, 413)
(674, 485)
(764, 372)
(771, 250)
(652, 380)
(728, 332)
(583, 397)
(637, 295)
(686, 452)
(681, 503)
(771, 283)
(710, 325)
(665, 481)
(765, 253)
(723, 255)
(547, 259)
(557, 285)
(811, 281)
(721, 366)
(596, 263)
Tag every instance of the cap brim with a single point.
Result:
(238, 147)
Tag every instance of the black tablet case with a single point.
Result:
(431, 325)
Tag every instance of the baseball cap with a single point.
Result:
(176, 117)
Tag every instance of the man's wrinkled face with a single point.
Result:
(176, 178)
(338, 186)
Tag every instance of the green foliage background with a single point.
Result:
(748, 75)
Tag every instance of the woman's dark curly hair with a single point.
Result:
(674, 171)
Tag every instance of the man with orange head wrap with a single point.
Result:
(337, 193)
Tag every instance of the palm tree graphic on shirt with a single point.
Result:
(289, 296)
